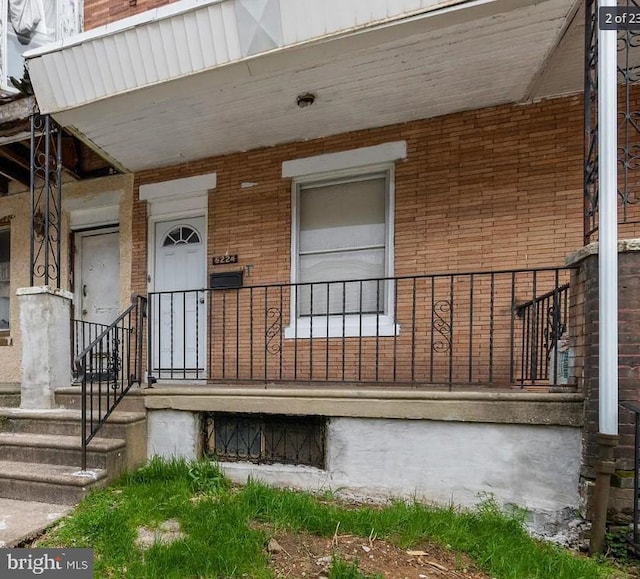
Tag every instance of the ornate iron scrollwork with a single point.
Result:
(628, 46)
(46, 198)
(441, 342)
(554, 328)
(274, 315)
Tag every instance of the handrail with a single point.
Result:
(523, 306)
(108, 367)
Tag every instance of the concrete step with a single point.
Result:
(130, 427)
(71, 398)
(102, 453)
(9, 395)
(9, 400)
(47, 483)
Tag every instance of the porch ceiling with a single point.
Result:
(441, 60)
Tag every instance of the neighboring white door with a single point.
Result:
(179, 316)
(98, 283)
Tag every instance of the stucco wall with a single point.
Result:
(16, 206)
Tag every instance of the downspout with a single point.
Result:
(608, 278)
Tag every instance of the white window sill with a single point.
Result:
(338, 326)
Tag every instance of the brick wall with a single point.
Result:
(100, 12)
(491, 189)
(495, 188)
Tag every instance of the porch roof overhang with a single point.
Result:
(203, 78)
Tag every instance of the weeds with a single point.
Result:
(221, 538)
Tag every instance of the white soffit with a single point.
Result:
(132, 89)
(192, 36)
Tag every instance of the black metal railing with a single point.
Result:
(83, 334)
(443, 329)
(544, 353)
(634, 538)
(108, 367)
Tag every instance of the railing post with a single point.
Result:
(81, 369)
(142, 312)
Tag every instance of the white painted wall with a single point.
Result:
(45, 315)
(173, 433)
(536, 467)
(531, 466)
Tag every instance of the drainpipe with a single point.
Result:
(608, 278)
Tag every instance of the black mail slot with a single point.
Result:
(226, 280)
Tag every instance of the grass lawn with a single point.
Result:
(224, 531)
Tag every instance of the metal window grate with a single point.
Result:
(261, 438)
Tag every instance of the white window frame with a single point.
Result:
(354, 325)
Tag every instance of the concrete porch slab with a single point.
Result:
(23, 520)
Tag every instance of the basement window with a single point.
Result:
(265, 438)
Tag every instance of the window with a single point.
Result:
(5, 285)
(181, 236)
(342, 242)
(262, 438)
(342, 237)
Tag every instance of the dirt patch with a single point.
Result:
(166, 533)
(304, 555)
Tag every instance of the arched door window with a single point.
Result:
(182, 234)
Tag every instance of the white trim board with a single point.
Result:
(178, 196)
(352, 159)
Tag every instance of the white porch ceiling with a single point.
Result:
(135, 91)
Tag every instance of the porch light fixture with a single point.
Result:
(305, 99)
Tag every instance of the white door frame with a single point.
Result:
(77, 262)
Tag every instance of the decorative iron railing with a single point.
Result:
(544, 353)
(108, 367)
(449, 329)
(628, 47)
(84, 333)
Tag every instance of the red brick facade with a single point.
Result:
(101, 12)
(480, 190)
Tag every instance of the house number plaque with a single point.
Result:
(224, 259)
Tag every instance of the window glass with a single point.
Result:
(342, 237)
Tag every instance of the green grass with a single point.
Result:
(220, 540)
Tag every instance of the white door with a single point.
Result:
(178, 305)
(97, 283)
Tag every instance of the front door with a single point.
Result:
(97, 283)
(178, 303)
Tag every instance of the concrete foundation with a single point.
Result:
(45, 326)
(173, 433)
(531, 466)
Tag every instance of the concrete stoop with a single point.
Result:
(9, 395)
(71, 398)
(41, 453)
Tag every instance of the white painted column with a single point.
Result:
(608, 226)
(45, 325)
